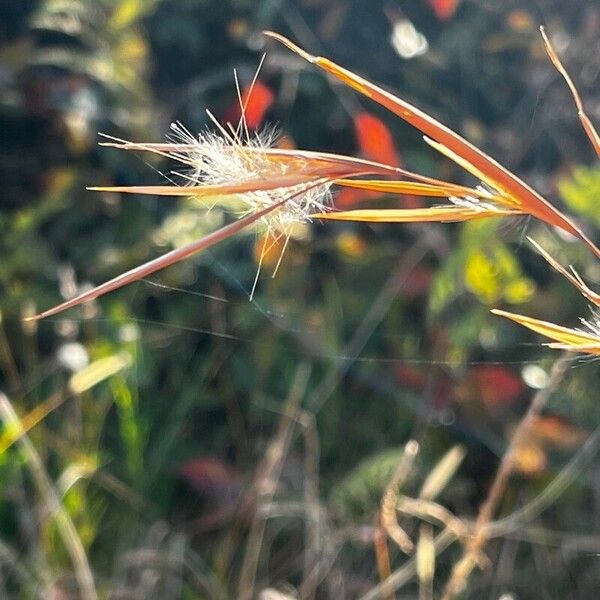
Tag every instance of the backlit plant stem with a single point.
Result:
(52, 505)
(470, 559)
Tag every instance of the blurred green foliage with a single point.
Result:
(580, 193)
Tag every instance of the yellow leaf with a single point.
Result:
(30, 420)
(530, 459)
(98, 371)
(350, 244)
(481, 276)
(132, 49)
(126, 12)
(518, 291)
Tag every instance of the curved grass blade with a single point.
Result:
(565, 338)
(306, 159)
(572, 276)
(502, 179)
(161, 262)
(273, 183)
(415, 188)
(589, 128)
(437, 214)
(10, 435)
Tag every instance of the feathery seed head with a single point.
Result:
(593, 324)
(221, 159)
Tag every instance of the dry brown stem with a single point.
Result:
(471, 556)
(265, 483)
(387, 511)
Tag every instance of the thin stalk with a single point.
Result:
(9, 366)
(266, 480)
(66, 528)
(470, 559)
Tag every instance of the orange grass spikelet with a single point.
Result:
(509, 189)
(279, 187)
(586, 341)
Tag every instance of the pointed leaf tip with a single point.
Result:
(573, 276)
(289, 44)
(564, 338)
(161, 262)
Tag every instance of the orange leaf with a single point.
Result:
(530, 459)
(267, 249)
(375, 140)
(557, 431)
(493, 385)
(350, 244)
(444, 9)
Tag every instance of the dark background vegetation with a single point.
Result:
(154, 465)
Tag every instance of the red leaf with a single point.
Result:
(257, 101)
(409, 377)
(417, 282)
(349, 197)
(437, 387)
(493, 385)
(376, 143)
(222, 490)
(210, 477)
(444, 9)
(375, 140)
